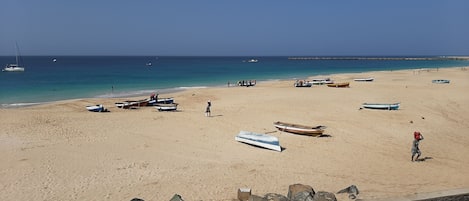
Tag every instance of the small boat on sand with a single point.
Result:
(300, 129)
(339, 85)
(440, 81)
(381, 106)
(153, 102)
(96, 108)
(166, 107)
(260, 140)
(132, 104)
(321, 81)
(369, 79)
(303, 83)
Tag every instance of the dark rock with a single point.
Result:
(350, 190)
(176, 197)
(275, 197)
(256, 198)
(324, 196)
(136, 199)
(300, 192)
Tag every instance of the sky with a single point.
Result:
(235, 28)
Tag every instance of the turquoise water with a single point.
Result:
(73, 77)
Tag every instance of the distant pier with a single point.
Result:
(382, 58)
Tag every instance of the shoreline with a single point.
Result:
(147, 92)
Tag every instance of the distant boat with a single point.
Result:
(253, 61)
(149, 63)
(96, 108)
(381, 106)
(440, 81)
(322, 81)
(14, 67)
(370, 79)
(166, 107)
(303, 83)
(339, 85)
(260, 140)
(299, 129)
(54, 60)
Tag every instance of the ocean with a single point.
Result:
(73, 77)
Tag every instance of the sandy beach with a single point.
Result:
(60, 151)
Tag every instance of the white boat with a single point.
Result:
(381, 106)
(166, 107)
(369, 79)
(160, 101)
(322, 81)
(253, 61)
(260, 140)
(303, 83)
(14, 67)
(96, 108)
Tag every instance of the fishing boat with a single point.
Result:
(260, 140)
(247, 83)
(300, 129)
(303, 83)
(132, 104)
(339, 85)
(96, 108)
(381, 106)
(16, 67)
(155, 101)
(253, 61)
(369, 79)
(166, 107)
(440, 81)
(321, 81)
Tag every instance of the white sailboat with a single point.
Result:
(14, 67)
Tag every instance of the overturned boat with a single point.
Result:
(260, 140)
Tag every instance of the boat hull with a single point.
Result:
(381, 106)
(299, 129)
(260, 140)
(339, 85)
(96, 108)
(166, 107)
(364, 79)
(440, 81)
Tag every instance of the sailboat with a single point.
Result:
(14, 67)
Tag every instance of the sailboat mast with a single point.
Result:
(17, 52)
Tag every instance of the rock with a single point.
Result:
(324, 196)
(176, 197)
(256, 198)
(275, 197)
(350, 190)
(300, 192)
(136, 199)
(244, 194)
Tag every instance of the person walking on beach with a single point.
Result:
(415, 145)
(207, 111)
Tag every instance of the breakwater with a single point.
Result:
(383, 58)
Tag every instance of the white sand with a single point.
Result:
(60, 151)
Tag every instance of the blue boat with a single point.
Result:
(440, 81)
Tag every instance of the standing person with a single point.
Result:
(207, 111)
(415, 145)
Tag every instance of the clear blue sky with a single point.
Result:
(236, 28)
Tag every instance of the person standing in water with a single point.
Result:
(207, 110)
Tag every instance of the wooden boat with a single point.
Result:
(166, 107)
(131, 104)
(299, 129)
(440, 81)
(260, 140)
(339, 85)
(381, 106)
(96, 108)
(302, 83)
(369, 79)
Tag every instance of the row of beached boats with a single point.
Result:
(329, 82)
(161, 104)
